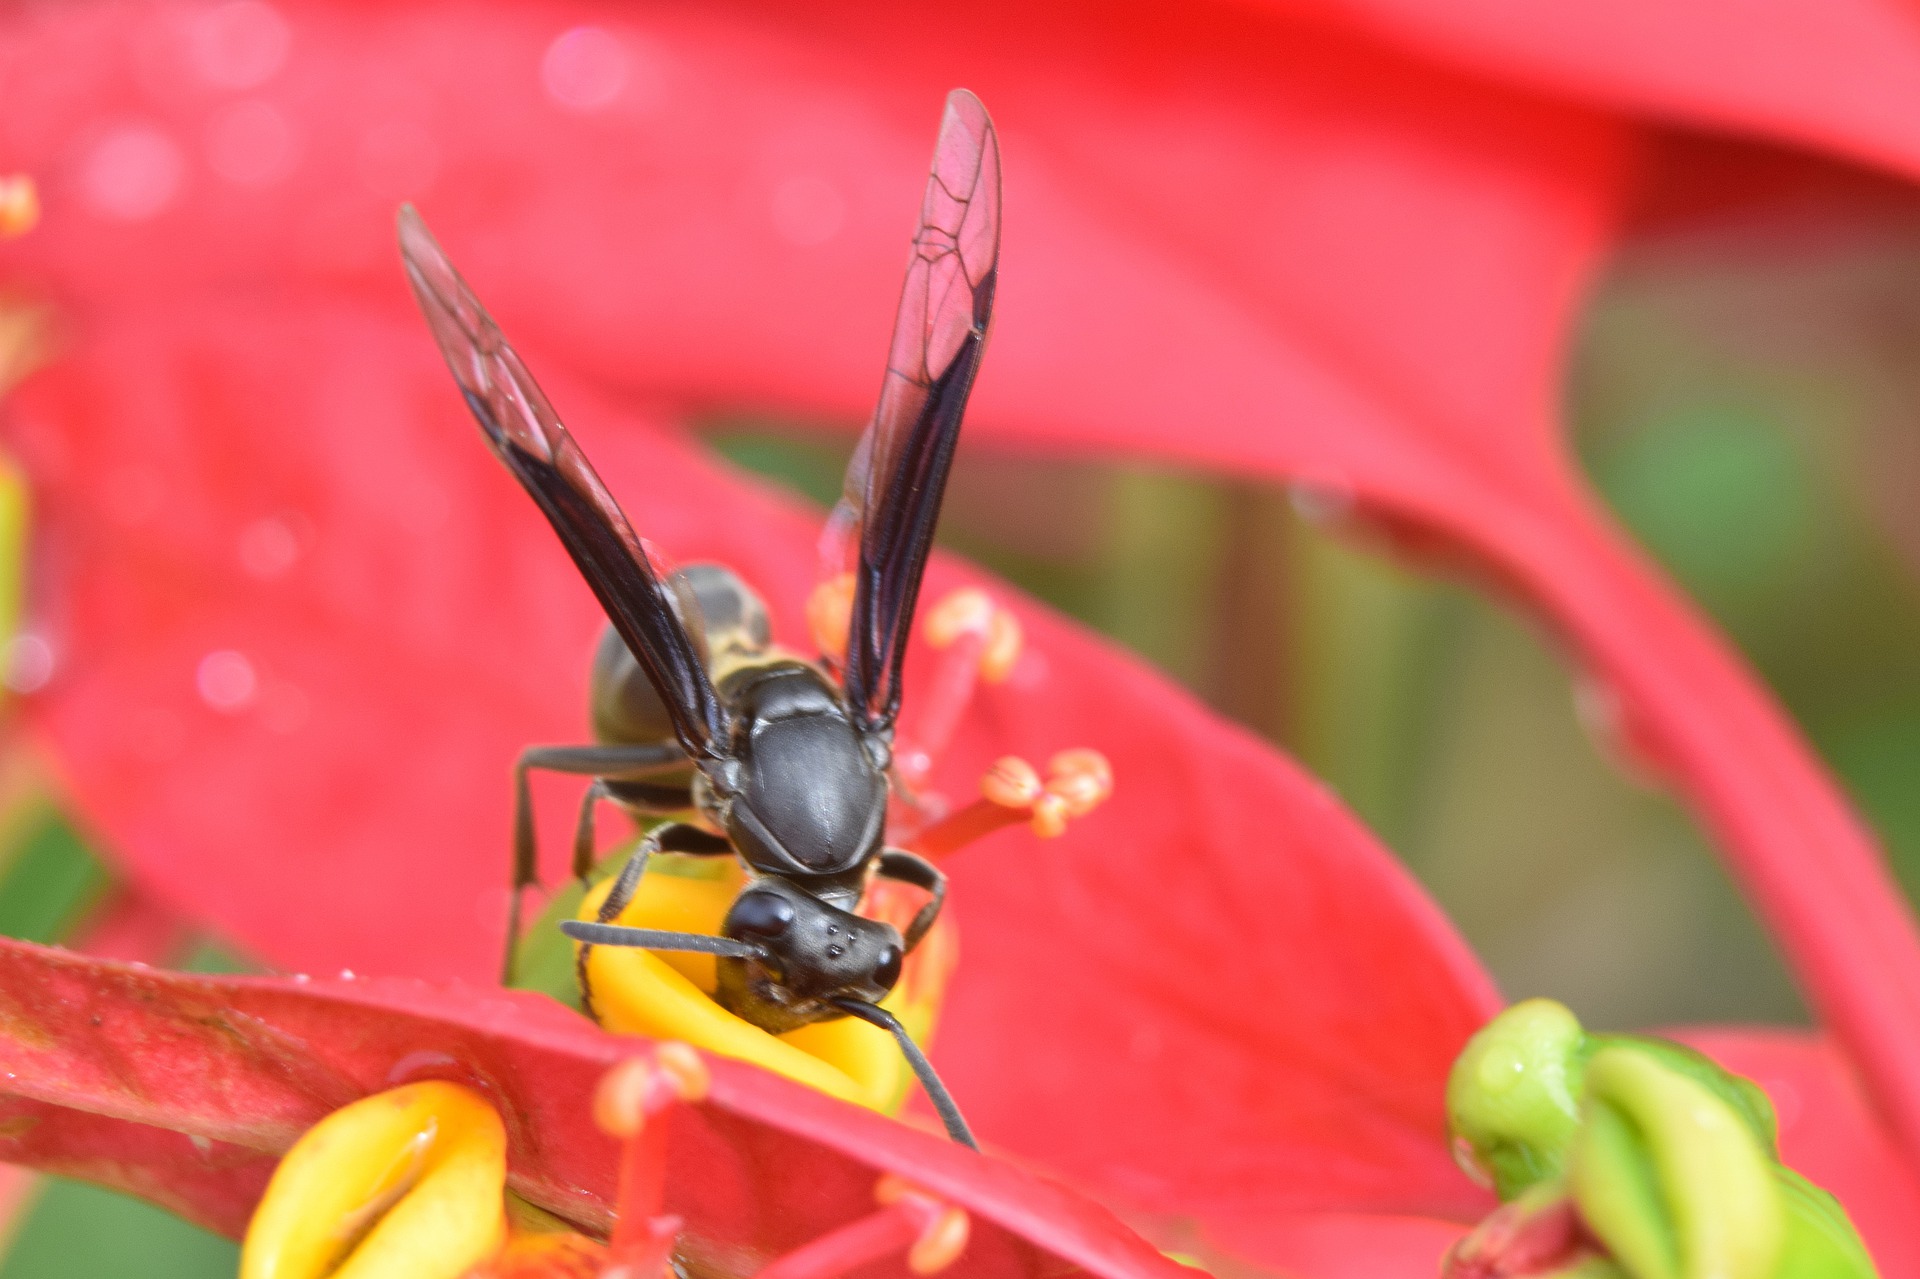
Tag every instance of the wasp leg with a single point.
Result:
(599, 761)
(679, 838)
(908, 868)
(676, 837)
(583, 829)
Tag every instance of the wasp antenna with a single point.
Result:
(593, 934)
(937, 1093)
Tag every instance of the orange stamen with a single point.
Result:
(931, 1231)
(1011, 783)
(1049, 819)
(977, 640)
(1082, 778)
(1078, 782)
(970, 613)
(967, 611)
(944, 1227)
(19, 205)
(1005, 638)
(830, 614)
(629, 1103)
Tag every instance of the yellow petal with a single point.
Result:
(669, 996)
(405, 1184)
(863, 1053)
(676, 903)
(14, 514)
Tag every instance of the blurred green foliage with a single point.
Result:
(49, 878)
(51, 883)
(76, 1231)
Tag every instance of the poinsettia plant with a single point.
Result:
(280, 571)
(187, 1088)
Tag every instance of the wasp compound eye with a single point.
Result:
(886, 966)
(760, 915)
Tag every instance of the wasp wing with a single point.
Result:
(898, 475)
(526, 434)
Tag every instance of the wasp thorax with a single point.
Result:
(810, 953)
(812, 800)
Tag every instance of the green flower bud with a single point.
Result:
(1590, 1268)
(1821, 1242)
(1671, 1177)
(1747, 1098)
(1513, 1096)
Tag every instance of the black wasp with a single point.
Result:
(762, 755)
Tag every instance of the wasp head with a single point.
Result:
(810, 954)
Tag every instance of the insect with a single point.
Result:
(763, 755)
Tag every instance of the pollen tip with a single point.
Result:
(967, 611)
(619, 1103)
(1082, 759)
(19, 205)
(940, 1227)
(830, 615)
(686, 1068)
(941, 1242)
(1050, 815)
(1004, 642)
(1082, 778)
(1011, 782)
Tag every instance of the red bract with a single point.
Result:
(1258, 1089)
(1841, 76)
(142, 1079)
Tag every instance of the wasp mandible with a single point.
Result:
(761, 754)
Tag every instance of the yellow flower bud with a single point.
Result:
(405, 1184)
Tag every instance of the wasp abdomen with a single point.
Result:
(725, 618)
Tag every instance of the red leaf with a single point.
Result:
(427, 653)
(1840, 76)
(213, 1184)
(190, 1084)
(1349, 1245)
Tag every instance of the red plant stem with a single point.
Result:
(643, 1182)
(956, 830)
(939, 707)
(1807, 864)
(644, 1251)
(1520, 1238)
(853, 1245)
